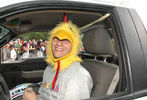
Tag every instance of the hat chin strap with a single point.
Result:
(56, 75)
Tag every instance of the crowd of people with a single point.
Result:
(20, 49)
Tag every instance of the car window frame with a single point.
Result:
(64, 6)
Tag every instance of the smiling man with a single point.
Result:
(61, 48)
(65, 78)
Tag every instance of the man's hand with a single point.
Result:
(29, 94)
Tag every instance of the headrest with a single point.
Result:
(97, 42)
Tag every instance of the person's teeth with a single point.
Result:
(58, 49)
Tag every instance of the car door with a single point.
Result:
(31, 69)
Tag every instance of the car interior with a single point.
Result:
(101, 56)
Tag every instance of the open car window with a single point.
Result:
(32, 33)
(31, 43)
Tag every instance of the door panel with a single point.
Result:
(27, 71)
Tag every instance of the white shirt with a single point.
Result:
(13, 54)
(73, 83)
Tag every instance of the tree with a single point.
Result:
(35, 35)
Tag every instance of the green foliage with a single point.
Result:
(35, 35)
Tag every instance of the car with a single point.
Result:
(114, 49)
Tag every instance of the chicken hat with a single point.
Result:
(69, 31)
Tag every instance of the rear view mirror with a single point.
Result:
(3, 31)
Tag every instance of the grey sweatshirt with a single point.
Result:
(73, 83)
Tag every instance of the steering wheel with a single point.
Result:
(35, 87)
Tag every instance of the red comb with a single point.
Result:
(65, 18)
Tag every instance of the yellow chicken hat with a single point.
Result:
(69, 31)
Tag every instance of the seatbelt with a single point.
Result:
(114, 82)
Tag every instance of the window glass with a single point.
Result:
(28, 45)
(3, 31)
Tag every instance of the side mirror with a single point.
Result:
(3, 31)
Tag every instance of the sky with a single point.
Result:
(141, 8)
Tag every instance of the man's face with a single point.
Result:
(60, 48)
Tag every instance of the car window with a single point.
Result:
(33, 43)
(3, 32)
(99, 49)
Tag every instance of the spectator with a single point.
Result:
(32, 48)
(24, 50)
(17, 46)
(39, 49)
(6, 53)
(13, 54)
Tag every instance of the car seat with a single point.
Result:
(97, 42)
